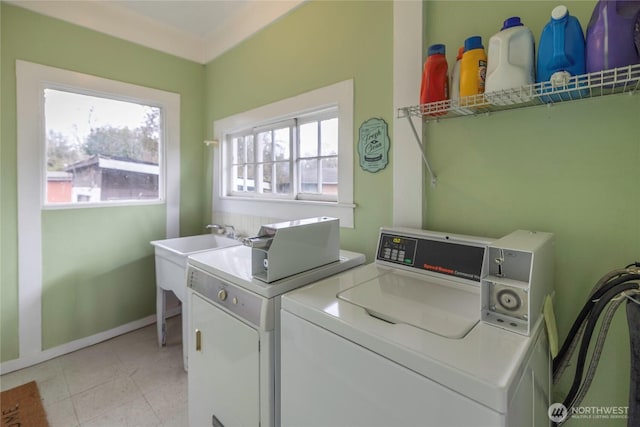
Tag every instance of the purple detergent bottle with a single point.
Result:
(613, 35)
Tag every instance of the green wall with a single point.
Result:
(571, 169)
(318, 44)
(98, 270)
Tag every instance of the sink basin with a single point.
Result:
(171, 258)
(171, 265)
(185, 246)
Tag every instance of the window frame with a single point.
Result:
(338, 95)
(33, 79)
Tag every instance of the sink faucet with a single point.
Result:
(228, 230)
(217, 228)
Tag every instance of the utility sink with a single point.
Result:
(171, 264)
(171, 258)
(185, 246)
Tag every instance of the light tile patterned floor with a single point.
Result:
(126, 381)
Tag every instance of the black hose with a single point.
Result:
(569, 346)
(603, 298)
(614, 282)
(585, 312)
(633, 319)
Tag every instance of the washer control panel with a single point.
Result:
(397, 249)
(439, 254)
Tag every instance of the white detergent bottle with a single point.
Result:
(454, 86)
(510, 64)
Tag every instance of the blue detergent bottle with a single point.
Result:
(561, 56)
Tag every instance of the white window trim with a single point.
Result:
(407, 69)
(31, 79)
(111, 89)
(338, 94)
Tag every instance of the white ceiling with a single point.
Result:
(200, 18)
(196, 30)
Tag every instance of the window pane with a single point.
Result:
(282, 142)
(329, 132)
(283, 178)
(267, 174)
(250, 170)
(238, 174)
(250, 148)
(238, 150)
(309, 139)
(264, 147)
(100, 149)
(329, 175)
(309, 176)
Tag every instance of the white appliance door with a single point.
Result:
(224, 368)
(330, 381)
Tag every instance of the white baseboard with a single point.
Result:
(52, 353)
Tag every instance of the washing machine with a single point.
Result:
(412, 340)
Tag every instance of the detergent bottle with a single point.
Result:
(613, 35)
(454, 86)
(510, 61)
(561, 54)
(435, 79)
(473, 67)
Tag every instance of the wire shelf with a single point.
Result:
(607, 82)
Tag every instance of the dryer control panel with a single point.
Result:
(245, 305)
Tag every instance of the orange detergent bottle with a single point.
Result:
(473, 67)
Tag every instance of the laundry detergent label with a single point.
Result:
(482, 74)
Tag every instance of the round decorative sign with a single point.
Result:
(373, 145)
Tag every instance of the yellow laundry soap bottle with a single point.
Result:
(473, 68)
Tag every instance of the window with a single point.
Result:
(260, 161)
(289, 160)
(100, 149)
(87, 141)
(296, 159)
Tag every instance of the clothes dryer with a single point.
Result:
(234, 356)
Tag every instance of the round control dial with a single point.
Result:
(222, 294)
(509, 300)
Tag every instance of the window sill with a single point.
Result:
(86, 205)
(287, 209)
